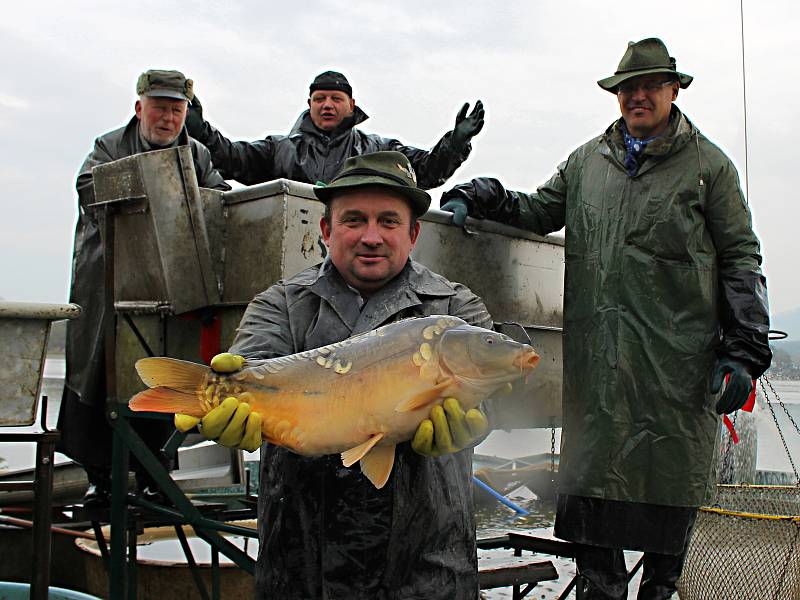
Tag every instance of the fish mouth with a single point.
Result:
(527, 359)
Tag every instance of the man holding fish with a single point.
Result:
(407, 529)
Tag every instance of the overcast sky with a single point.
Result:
(69, 73)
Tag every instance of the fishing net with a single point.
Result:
(746, 547)
(746, 543)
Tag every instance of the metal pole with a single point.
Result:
(119, 512)
(42, 518)
(500, 497)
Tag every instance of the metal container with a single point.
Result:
(24, 329)
(162, 568)
(162, 251)
(270, 231)
(253, 236)
(520, 277)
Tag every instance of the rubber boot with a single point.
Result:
(603, 574)
(660, 572)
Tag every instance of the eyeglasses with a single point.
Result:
(628, 88)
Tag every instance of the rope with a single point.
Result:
(744, 108)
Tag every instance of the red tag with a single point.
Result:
(751, 399)
(729, 425)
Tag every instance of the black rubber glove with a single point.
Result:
(740, 384)
(468, 126)
(194, 118)
(482, 198)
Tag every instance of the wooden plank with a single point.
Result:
(541, 545)
(522, 541)
(504, 576)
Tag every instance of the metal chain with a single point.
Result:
(761, 380)
(727, 470)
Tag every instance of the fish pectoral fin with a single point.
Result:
(377, 465)
(353, 455)
(425, 398)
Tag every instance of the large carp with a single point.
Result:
(358, 397)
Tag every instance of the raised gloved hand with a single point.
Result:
(194, 118)
(468, 126)
(449, 429)
(232, 423)
(740, 384)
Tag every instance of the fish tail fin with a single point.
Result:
(180, 375)
(166, 400)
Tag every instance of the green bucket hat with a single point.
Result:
(388, 169)
(643, 58)
(159, 83)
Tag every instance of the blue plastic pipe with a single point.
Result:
(500, 497)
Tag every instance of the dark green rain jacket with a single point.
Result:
(661, 277)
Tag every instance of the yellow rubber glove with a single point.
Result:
(449, 429)
(232, 423)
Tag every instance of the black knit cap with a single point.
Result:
(330, 80)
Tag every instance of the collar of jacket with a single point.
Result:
(677, 135)
(137, 144)
(419, 279)
(400, 293)
(305, 126)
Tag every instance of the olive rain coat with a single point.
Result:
(324, 530)
(310, 155)
(85, 376)
(661, 277)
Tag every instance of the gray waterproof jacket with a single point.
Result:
(309, 154)
(324, 530)
(84, 347)
(662, 277)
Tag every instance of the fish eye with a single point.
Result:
(489, 339)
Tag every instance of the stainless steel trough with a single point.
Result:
(24, 329)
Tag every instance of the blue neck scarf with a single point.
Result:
(634, 149)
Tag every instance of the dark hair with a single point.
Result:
(327, 216)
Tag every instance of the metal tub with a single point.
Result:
(24, 330)
(162, 251)
(270, 231)
(520, 277)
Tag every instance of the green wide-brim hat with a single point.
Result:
(387, 169)
(644, 58)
